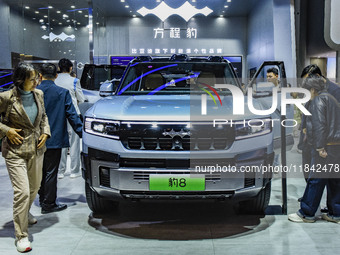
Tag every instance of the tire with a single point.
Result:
(98, 204)
(258, 204)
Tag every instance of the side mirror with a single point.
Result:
(106, 89)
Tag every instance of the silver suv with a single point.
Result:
(168, 132)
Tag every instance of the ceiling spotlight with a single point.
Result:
(221, 16)
(27, 7)
(229, 1)
(65, 16)
(50, 7)
(41, 20)
(86, 16)
(60, 23)
(158, 1)
(97, 23)
(73, 7)
(194, 1)
(45, 16)
(58, 11)
(80, 11)
(36, 12)
(126, 6)
(78, 23)
(226, 6)
(123, 1)
(134, 15)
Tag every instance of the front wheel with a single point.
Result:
(98, 204)
(258, 204)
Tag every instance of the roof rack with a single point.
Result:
(215, 59)
(143, 59)
(180, 57)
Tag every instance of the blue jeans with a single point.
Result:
(316, 185)
(333, 185)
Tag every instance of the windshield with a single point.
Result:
(94, 75)
(175, 78)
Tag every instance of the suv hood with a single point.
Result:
(166, 108)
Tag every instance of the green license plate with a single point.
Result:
(170, 182)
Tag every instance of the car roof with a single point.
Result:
(180, 58)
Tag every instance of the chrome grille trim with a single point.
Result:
(175, 136)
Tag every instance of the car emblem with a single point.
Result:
(173, 133)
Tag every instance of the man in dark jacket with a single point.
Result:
(333, 89)
(323, 132)
(59, 109)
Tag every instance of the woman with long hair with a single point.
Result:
(24, 129)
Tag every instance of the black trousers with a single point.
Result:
(48, 188)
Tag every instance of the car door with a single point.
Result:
(262, 89)
(95, 75)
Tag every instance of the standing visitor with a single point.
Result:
(25, 130)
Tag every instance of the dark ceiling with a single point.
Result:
(74, 13)
(117, 7)
(77, 10)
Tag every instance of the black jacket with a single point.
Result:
(333, 89)
(324, 125)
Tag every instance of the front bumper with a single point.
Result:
(116, 178)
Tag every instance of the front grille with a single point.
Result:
(175, 137)
(144, 176)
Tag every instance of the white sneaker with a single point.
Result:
(31, 219)
(23, 245)
(299, 219)
(61, 176)
(75, 175)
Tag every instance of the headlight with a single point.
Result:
(104, 128)
(250, 128)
